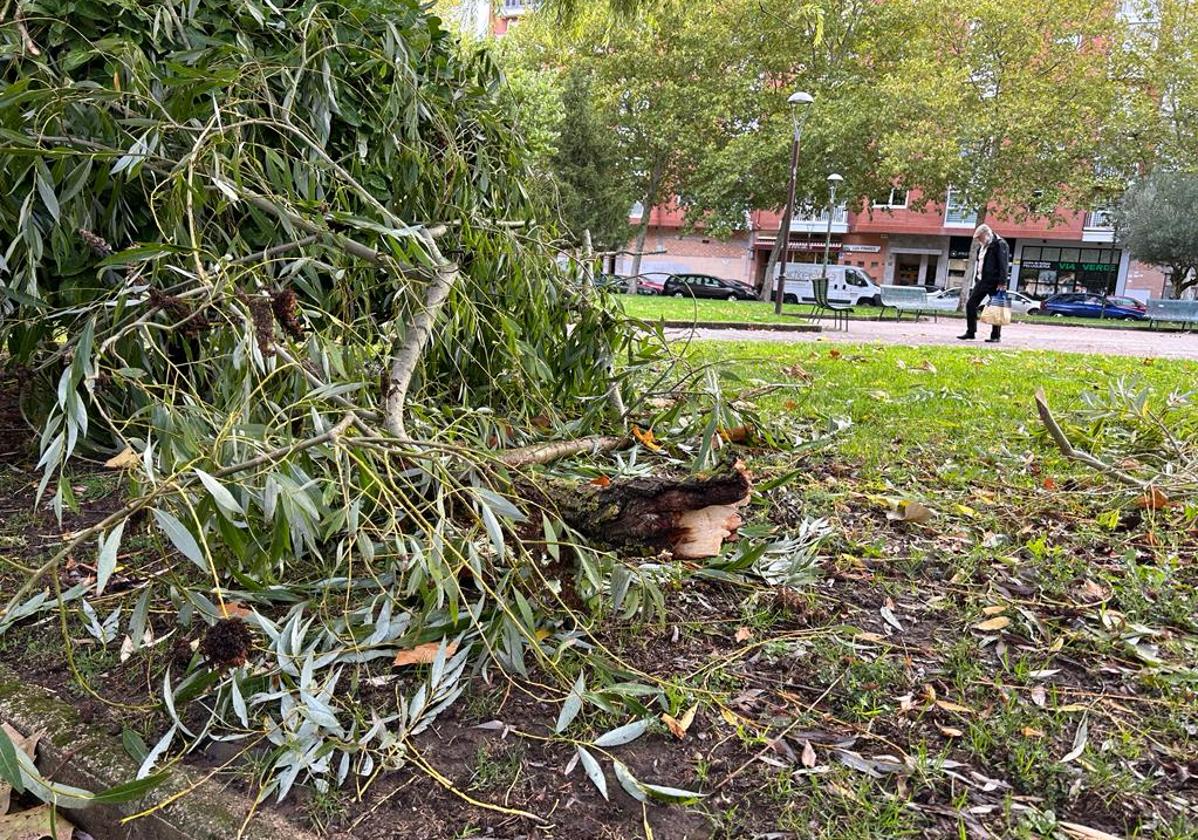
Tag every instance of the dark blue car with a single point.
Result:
(1086, 305)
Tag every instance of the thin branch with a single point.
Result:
(275, 250)
(1063, 444)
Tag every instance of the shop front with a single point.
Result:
(1046, 270)
(801, 251)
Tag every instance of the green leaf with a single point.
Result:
(572, 705)
(129, 791)
(593, 770)
(671, 794)
(10, 770)
(106, 562)
(625, 734)
(180, 538)
(134, 745)
(220, 494)
(628, 781)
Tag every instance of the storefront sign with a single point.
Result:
(1038, 264)
(862, 249)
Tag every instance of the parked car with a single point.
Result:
(1021, 304)
(1087, 305)
(706, 286)
(651, 283)
(611, 282)
(846, 284)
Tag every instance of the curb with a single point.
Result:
(85, 756)
(735, 325)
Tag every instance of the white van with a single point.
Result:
(846, 284)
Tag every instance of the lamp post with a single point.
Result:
(833, 182)
(798, 112)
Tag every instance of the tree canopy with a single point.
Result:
(1158, 222)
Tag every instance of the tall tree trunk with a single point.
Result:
(642, 229)
(971, 268)
(767, 282)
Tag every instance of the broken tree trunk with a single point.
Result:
(691, 516)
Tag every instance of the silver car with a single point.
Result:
(1021, 304)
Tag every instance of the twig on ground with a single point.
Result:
(1063, 444)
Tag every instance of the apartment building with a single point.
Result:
(899, 245)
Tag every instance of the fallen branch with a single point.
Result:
(1058, 436)
(545, 453)
(416, 336)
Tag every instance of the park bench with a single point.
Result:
(906, 299)
(1184, 312)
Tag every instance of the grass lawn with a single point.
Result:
(1040, 627)
(988, 641)
(655, 308)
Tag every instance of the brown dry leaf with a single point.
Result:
(743, 634)
(808, 757)
(834, 353)
(1153, 499)
(927, 365)
(797, 372)
(909, 511)
(996, 623)
(1039, 696)
(1091, 591)
(679, 726)
(123, 460)
(950, 706)
(646, 439)
(1032, 732)
(994, 609)
(235, 609)
(1050, 483)
(35, 824)
(423, 654)
(737, 434)
(601, 481)
(1072, 707)
(950, 731)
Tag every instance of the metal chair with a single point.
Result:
(839, 312)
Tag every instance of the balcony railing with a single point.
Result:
(515, 8)
(811, 220)
(1100, 220)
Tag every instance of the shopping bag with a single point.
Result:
(998, 311)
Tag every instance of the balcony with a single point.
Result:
(516, 8)
(807, 220)
(1099, 226)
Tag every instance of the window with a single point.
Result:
(1032, 253)
(896, 198)
(955, 212)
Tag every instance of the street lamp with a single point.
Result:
(798, 113)
(834, 181)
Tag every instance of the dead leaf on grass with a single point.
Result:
(646, 439)
(601, 481)
(679, 726)
(1153, 499)
(909, 511)
(991, 624)
(123, 460)
(743, 634)
(235, 609)
(808, 757)
(887, 613)
(1084, 832)
(1080, 739)
(950, 706)
(797, 372)
(1032, 732)
(424, 654)
(1090, 591)
(994, 609)
(950, 731)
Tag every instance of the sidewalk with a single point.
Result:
(1144, 343)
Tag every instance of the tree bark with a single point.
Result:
(411, 346)
(642, 229)
(690, 516)
(767, 283)
(971, 269)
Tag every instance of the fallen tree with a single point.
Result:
(278, 266)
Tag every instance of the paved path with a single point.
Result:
(1143, 343)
